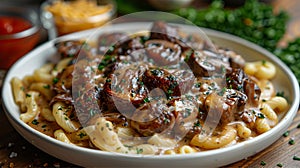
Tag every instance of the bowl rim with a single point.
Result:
(284, 122)
(34, 21)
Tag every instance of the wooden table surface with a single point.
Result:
(15, 151)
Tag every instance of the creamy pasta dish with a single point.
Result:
(161, 92)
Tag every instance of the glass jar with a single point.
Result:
(62, 17)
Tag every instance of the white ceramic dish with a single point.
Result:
(284, 81)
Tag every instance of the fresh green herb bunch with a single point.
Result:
(291, 56)
(254, 21)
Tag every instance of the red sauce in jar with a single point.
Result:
(11, 25)
(14, 48)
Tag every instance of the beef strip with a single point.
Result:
(238, 80)
(206, 64)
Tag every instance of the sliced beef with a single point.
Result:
(153, 117)
(235, 60)
(63, 81)
(173, 84)
(238, 80)
(162, 52)
(74, 49)
(224, 105)
(161, 30)
(107, 41)
(206, 64)
(186, 114)
(66, 98)
(124, 90)
(128, 45)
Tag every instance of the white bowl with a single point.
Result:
(284, 81)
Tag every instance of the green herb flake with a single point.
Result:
(296, 158)
(198, 85)
(46, 86)
(139, 150)
(261, 115)
(263, 163)
(291, 141)
(286, 134)
(263, 62)
(81, 135)
(280, 94)
(55, 80)
(34, 122)
(197, 124)
(221, 93)
(279, 165)
(156, 72)
(298, 126)
(28, 95)
(146, 100)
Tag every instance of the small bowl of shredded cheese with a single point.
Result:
(62, 17)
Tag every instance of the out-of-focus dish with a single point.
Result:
(19, 33)
(205, 158)
(72, 16)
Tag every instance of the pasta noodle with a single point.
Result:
(110, 103)
(227, 135)
(59, 112)
(31, 105)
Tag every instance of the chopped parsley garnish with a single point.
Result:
(263, 62)
(169, 92)
(34, 122)
(46, 86)
(291, 141)
(281, 94)
(139, 150)
(263, 163)
(286, 133)
(260, 115)
(198, 85)
(81, 135)
(197, 124)
(156, 72)
(279, 165)
(55, 80)
(188, 55)
(166, 120)
(28, 95)
(146, 100)
(221, 93)
(296, 158)
(108, 59)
